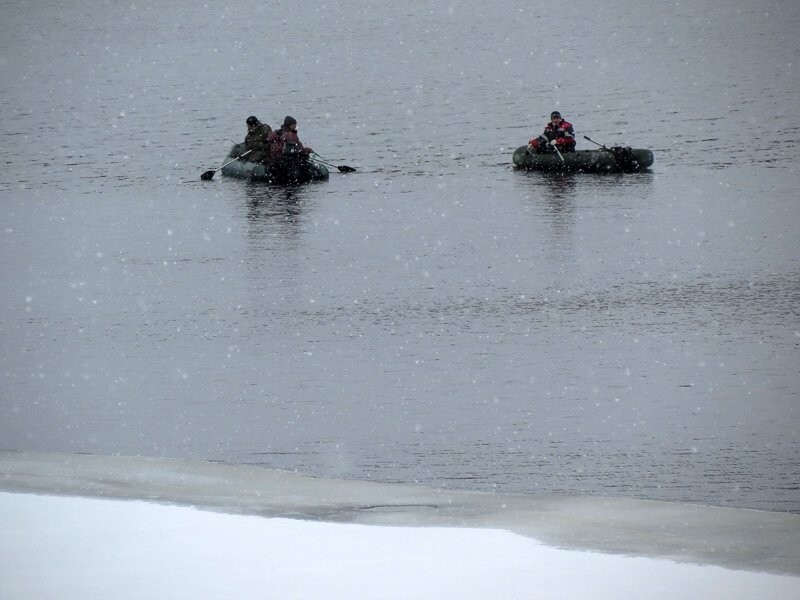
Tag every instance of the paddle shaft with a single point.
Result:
(342, 168)
(324, 162)
(586, 137)
(557, 152)
(234, 160)
(210, 174)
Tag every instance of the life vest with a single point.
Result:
(562, 132)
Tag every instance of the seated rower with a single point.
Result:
(558, 134)
(284, 141)
(257, 140)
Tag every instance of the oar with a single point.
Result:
(210, 174)
(342, 168)
(603, 146)
(559, 154)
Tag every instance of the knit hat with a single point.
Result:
(289, 121)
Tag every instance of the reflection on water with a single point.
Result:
(561, 188)
(273, 204)
(561, 201)
(564, 186)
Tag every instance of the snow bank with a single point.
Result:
(62, 547)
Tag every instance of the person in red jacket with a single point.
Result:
(285, 141)
(558, 134)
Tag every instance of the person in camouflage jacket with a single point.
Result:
(257, 140)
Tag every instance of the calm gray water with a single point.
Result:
(436, 317)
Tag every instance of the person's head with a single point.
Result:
(555, 117)
(252, 122)
(290, 122)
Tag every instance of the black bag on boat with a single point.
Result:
(625, 157)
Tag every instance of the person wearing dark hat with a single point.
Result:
(257, 140)
(285, 141)
(558, 134)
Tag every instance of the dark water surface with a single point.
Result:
(436, 317)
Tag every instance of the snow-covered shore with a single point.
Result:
(64, 547)
(412, 543)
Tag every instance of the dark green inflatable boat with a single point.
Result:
(290, 169)
(603, 160)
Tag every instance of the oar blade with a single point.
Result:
(208, 175)
(346, 169)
